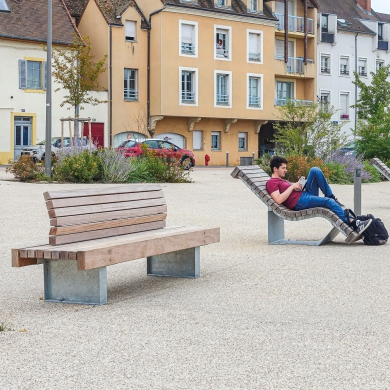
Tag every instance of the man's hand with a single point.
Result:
(297, 186)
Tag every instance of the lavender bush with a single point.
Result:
(350, 163)
(115, 167)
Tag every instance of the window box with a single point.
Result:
(344, 116)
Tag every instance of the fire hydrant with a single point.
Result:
(206, 160)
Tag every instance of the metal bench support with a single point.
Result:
(66, 284)
(181, 264)
(276, 233)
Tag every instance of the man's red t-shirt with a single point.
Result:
(275, 184)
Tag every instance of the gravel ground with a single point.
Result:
(259, 317)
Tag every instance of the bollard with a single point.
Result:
(357, 192)
(253, 158)
(227, 158)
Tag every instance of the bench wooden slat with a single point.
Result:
(92, 235)
(62, 212)
(56, 231)
(102, 199)
(101, 191)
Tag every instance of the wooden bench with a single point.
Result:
(93, 228)
(381, 167)
(256, 178)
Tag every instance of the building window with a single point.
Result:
(188, 38)
(254, 46)
(197, 139)
(215, 140)
(380, 31)
(325, 100)
(131, 28)
(324, 23)
(130, 85)
(344, 106)
(379, 64)
(222, 42)
(242, 141)
(284, 92)
(253, 5)
(221, 3)
(325, 63)
(188, 86)
(222, 89)
(32, 74)
(254, 91)
(344, 66)
(362, 67)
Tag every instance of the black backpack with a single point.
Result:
(376, 233)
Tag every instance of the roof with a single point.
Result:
(385, 18)
(27, 20)
(76, 7)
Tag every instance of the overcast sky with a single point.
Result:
(381, 6)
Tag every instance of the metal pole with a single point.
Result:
(357, 192)
(48, 91)
(253, 158)
(227, 159)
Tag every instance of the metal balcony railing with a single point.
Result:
(325, 70)
(254, 56)
(222, 99)
(222, 53)
(295, 24)
(283, 102)
(254, 101)
(130, 94)
(294, 64)
(187, 48)
(188, 97)
(383, 45)
(362, 71)
(327, 37)
(344, 70)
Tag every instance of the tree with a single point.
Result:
(373, 128)
(306, 130)
(77, 73)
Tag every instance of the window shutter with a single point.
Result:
(130, 30)
(44, 76)
(279, 47)
(279, 8)
(344, 103)
(187, 33)
(344, 61)
(197, 139)
(22, 74)
(253, 43)
(290, 48)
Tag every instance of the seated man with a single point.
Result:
(294, 197)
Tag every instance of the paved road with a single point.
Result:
(260, 316)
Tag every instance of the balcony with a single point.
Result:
(130, 94)
(327, 37)
(294, 64)
(222, 100)
(383, 45)
(295, 24)
(283, 102)
(188, 97)
(187, 48)
(254, 101)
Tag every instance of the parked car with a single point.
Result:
(38, 151)
(133, 148)
(348, 149)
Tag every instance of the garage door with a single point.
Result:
(176, 139)
(119, 138)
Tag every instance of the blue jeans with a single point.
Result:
(316, 181)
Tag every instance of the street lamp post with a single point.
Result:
(48, 90)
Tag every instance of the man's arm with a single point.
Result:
(280, 198)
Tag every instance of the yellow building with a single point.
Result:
(206, 74)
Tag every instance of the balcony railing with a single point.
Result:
(383, 45)
(188, 97)
(325, 70)
(344, 70)
(295, 24)
(187, 48)
(222, 53)
(327, 37)
(283, 102)
(254, 56)
(222, 99)
(294, 64)
(254, 101)
(362, 71)
(130, 94)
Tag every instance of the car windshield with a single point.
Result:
(128, 144)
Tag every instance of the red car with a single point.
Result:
(132, 148)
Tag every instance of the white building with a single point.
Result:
(348, 42)
(22, 74)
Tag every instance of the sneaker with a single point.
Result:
(361, 226)
(336, 200)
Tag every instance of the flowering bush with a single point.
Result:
(25, 169)
(114, 166)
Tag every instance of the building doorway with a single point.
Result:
(22, 134)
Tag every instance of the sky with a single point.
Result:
(381, 6)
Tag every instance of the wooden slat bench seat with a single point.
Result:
(93, 228)
(256, 178)
(381, 167)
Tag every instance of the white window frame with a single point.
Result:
(330, 64)
(348, 106)
(135, 31)
(363, 59)
(219, 140)
(245, 136)
(379, 60)
(201, 139)
(195, 82)
(229, 43)
(348, 66)
(229, 88)
(260, 87)
(195, 24)
(250, 5)
(292, 81)
(329, 92)
(258, 32)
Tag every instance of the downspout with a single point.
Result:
(286, 31)
(356, 88)
(305, 36)
(110, 90)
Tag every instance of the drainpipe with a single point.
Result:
(305, 35)
(356, 70)
(286, 31)
(110, 91)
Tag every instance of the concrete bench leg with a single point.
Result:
(181, 264)
(66, 284)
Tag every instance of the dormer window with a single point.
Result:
(324, 23)
(131, 30)
(380, 31)
(3, 5)
(253, 5)
(222, 3)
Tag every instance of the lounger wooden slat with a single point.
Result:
(381, 167)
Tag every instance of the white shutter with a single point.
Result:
(344, 103)
(344, 61)
(22, 74)
(254, 43)
(187, 32)
(290, 48)
(130, 30)
(197, 139)
(290, 8)
(279, 47)
(279, 8)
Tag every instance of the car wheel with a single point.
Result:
(186, 162)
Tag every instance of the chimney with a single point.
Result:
(365, 4)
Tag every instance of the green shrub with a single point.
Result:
(338, 174)
(376, 177)
(114, 166)
(25, 169)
